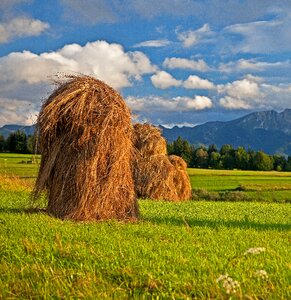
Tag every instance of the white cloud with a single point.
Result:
(160, 104)
(15, 111)
(21, 27)
(245, 89)
(27, 74)
(195, 82)
(108, 62)
(153, 43)
(164, 80)
(253, 93)
(263, 36)
(183, 63)
(243, 65)
(235, 103)
(190, 38)
(241, 94)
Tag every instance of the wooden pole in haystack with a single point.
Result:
(157, 175)
(86, 145)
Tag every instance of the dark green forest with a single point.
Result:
(227, 157)
(206, 157)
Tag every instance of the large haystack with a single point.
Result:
(86, 146)
(157, 175)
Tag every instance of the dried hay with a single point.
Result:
(178, 162)
(86, 146)
(156, 175)
(148, 140)
(154, 178)
(181, 178)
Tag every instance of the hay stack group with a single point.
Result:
(95, 162)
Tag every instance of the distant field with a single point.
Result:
(176, 250)
(258, 185)
(19, 164)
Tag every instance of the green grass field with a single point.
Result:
(175, 251)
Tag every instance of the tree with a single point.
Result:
(262, 161)
(32, 144)
(227, 156)
(279, 162)
(201, 157)
(17, 142)
(288, 164)
(212, 148)
(2, 143)
(214, 161)
(241, 158)
(225, 149)
(181, 148)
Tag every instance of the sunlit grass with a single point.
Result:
(175, 250)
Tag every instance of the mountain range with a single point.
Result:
(268, 131)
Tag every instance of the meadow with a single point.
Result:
(199, 249)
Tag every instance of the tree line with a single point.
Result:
(18, 142)
(227, 157)
(196, 157)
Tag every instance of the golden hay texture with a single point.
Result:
(86, 145)
(148, 140)
(181, 178)
(154, 178)
(155, 175)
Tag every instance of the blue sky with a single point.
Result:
(179, 62)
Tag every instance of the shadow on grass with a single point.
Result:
(191, 223)
(29, 210)
(180, 222)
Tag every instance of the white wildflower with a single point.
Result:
(228, 284)
(257, 250)
(261, 274)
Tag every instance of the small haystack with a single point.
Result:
(86, 146)
(148, 140)
(155, 176)
(181, 177)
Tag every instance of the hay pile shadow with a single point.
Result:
(157, 175)
(86, 145)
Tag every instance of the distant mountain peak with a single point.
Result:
(252, 130)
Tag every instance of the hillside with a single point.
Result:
(7, 129)
(269, 131)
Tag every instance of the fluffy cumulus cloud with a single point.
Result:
(175, 104)
(190, 38)
(184, 63)
(241, 94)
(153, 43)
(108, 62)
(21, 27)
(164, 80)
(195, 82)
